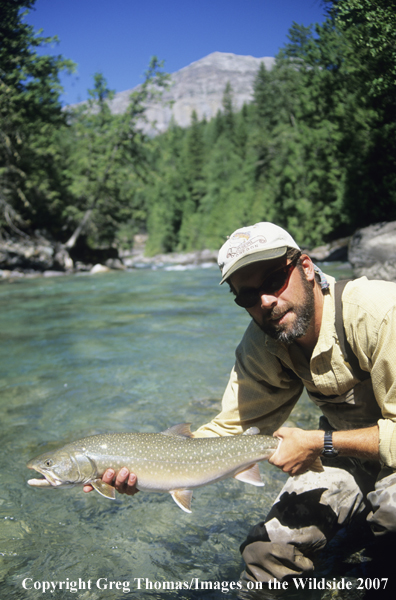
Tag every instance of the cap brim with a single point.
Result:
(254, 257)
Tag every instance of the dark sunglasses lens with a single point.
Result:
(276, 281)
(247, 299)
(271, 285)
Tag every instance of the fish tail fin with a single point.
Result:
(317, 466)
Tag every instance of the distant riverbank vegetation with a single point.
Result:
(314, 151)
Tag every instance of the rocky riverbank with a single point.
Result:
(39, 256)
(371, 251)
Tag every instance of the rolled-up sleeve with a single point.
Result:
(371, 325)
(383, 374)
(260, 391)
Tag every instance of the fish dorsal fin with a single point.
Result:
(181, 429)
(182, 499)
(104, 489)
(250, 475)
(252, 431)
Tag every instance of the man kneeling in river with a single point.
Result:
(338, 343)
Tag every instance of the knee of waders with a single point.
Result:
(266, 561)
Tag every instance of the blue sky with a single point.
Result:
(118, 37)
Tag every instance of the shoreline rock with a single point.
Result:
(372, 251)
(336, 251)
(41, 257)
(34, 254)
(138, 260)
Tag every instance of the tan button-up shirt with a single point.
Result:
(268, 376)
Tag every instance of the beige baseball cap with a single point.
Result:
(247, 245)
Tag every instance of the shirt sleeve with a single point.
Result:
(260, 391)
(371, 330)
(383, 375)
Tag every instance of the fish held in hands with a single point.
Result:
(172, 461)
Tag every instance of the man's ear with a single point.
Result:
(308, 267)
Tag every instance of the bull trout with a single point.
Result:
(172, 461)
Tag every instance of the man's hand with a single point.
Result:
(124, 483)
(298, 449)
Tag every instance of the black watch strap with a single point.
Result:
(328, 448)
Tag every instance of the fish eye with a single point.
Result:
(48, 463)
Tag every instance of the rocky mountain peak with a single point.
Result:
(200, 87)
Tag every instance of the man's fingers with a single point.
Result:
(121, 479)
(124, 482)
(108, 476)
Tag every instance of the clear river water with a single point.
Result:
(123, 351)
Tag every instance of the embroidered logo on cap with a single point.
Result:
(246, 246)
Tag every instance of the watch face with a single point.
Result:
(330, 453)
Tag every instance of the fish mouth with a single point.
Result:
(48, 479)
(39, 483)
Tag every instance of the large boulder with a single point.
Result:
(38, 253)
(33, 254)
(372, 251)
(336, 251)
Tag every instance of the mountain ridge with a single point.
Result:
(200, 87)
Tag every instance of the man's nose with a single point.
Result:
(268, 301)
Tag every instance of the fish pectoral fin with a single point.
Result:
(317, 466)
(250, 475)
(104, 489)
(182, 499)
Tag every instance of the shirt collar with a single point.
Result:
(327, 327)
(323, 281)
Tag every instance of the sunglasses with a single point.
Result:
(274, 283)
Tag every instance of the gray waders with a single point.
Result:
(311, 509)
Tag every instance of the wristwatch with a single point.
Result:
(328, 449)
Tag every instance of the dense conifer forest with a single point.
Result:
(314, 151)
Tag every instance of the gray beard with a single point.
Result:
(304, 315)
